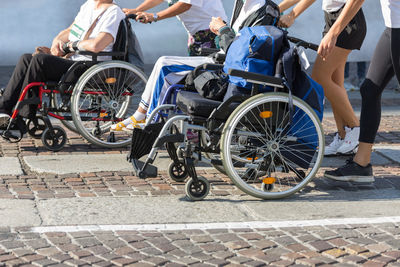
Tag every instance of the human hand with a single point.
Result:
(128, 11)
(216, 24)
(57, 48)
(326, 46)
(286, 20)
(144, 17)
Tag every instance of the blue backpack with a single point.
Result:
(255, 49)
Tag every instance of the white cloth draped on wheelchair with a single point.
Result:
(167, 71)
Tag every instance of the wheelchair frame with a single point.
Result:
(197, 187)
(54, 137)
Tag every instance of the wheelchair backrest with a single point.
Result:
(127, 43)
(121, 41)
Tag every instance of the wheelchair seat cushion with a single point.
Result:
(192, 103)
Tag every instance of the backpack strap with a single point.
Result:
(89, 32)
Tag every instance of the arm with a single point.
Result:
(225, 33)
(175, 9)
(288, 20)
(95, 45)
(329, 41)
(59, 40)
(146, 5)
(286, 4)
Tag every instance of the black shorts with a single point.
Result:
(353, 35)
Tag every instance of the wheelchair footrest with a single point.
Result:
(144, 171)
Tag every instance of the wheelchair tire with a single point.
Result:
(55, 139)
(69, 124)
(36, 127)
(105, 94)
(212, 156)
(272, 149)
(178, 172)
(196, 191)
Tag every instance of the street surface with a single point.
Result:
(83, 206)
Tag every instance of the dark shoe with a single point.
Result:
(352, 172)
(2, 89)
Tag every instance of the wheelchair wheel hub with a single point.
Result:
(113, 104)
(273, 146)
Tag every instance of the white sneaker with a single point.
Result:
(350, 143)
(4, 118)
(331, 150)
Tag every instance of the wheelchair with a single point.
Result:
(105, 93)
(270, 144)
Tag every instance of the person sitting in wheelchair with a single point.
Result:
(169, 70)
(94, 29)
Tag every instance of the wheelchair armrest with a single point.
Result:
(219, 57)
(207, 66)
(100, 54)
(204, 51)
(257, 78)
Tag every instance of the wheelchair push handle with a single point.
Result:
(131, 16)
(303, 43)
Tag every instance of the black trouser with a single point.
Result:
(38, 68)
(384, 65)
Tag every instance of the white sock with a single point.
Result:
(139, 115)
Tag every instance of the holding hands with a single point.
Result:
(216, 24)
(287, 20)
(57, 48)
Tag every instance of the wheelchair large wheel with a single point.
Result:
(212, 156)
(271, 149)
(57, 103)
(105, 94)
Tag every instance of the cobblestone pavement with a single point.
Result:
(376, 244)
(339, 245)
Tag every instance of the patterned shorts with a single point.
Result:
(201, 39)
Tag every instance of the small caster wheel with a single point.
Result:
(36, 127)
(55, 139)
(96, 132)
(267, 187)
(178, 172)
(197, 190)
(111, 138)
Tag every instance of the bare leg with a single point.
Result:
(323, 73)
(338, 78)
(363, 156)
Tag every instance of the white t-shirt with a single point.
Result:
(249, 7)
(108, 23)
(332, 5)
(198, 17)
(391, 13)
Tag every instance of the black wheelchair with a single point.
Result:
(105, 93)
(269, 144)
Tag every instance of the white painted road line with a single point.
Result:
(205, 226)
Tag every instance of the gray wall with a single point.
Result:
(29, 23)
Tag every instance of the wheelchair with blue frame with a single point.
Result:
(270, 144)
(105, 93)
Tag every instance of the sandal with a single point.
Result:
(135, 124)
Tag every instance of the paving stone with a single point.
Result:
(321, 245)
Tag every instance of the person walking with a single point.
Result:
(385, 63)
(195, 16)
(345, 30)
